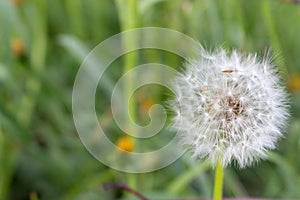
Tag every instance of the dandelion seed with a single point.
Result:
(231, 107)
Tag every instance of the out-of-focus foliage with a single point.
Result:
(43, 43)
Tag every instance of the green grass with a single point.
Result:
(40, 151)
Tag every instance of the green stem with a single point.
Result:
(218, 186)
(8, 159)
(274, 39)
(37, 61)
(128, 17)
(74, 11)
(185, 178)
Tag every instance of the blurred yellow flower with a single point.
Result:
(294, 83)
(145, 105)
(17, 2)
(125, 143)
(17, 47)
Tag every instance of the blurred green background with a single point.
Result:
(43, 43)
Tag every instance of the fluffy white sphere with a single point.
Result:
(229, 107)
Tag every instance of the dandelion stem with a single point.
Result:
(218, 185)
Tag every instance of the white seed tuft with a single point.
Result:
(230, 107)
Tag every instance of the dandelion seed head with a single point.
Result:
(229, 107)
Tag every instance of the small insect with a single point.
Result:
(228, 70)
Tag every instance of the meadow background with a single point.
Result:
(43, 43)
